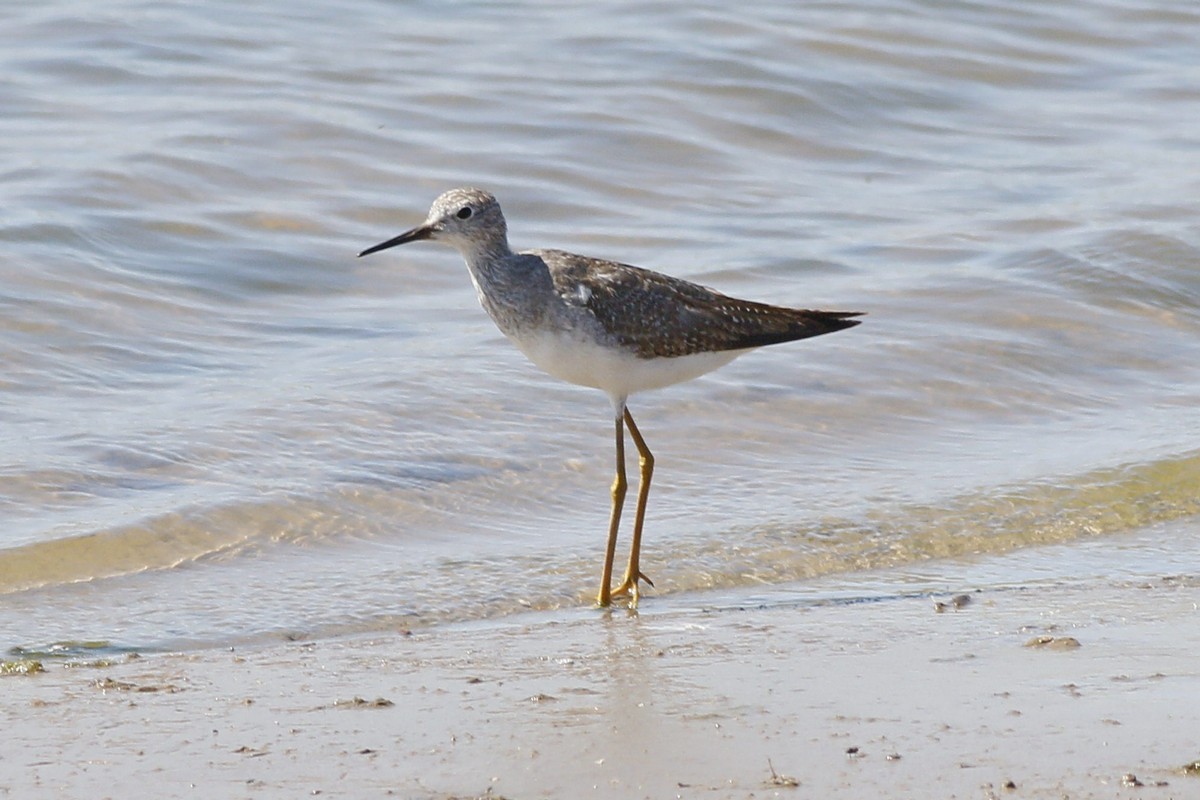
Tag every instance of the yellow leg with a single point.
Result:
(646, 465)
(614, 520)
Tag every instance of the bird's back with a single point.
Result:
(657, 316)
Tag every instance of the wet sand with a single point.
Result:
(707, 697)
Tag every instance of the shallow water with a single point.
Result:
(219, 425)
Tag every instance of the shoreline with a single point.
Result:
(730, 696)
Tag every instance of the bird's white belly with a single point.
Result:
(617, 372)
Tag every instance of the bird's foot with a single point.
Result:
(629, 587)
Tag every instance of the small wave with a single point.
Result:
(170, 540)
(160, 543)
(1099, 503)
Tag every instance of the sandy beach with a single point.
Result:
(1086, 688)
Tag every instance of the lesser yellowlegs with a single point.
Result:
(611, 326)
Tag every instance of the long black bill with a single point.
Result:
(415, 235)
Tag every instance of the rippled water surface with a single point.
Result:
(219, 425)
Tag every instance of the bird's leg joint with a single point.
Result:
(619, 486)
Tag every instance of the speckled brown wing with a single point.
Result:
(657, 316)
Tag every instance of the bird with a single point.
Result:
(609, 326)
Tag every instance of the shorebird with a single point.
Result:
(611, 326)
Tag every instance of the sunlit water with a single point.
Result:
(218, 425)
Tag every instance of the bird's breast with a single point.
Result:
(613, 369)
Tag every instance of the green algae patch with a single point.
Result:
(21, 666)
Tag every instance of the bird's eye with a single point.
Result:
(464, 212)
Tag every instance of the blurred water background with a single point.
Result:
(218, 425)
